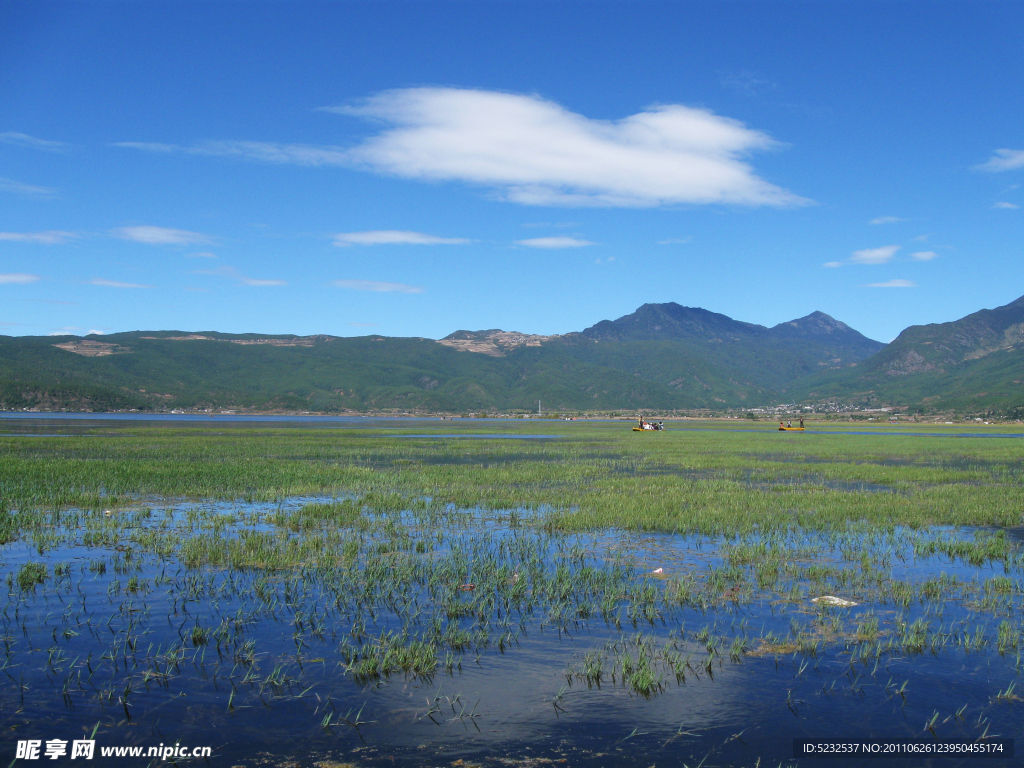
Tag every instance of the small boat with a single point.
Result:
(791, 429)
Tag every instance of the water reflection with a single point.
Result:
(87, 644)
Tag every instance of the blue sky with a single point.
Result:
(415, 168)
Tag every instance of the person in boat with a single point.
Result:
(801, 422)
(789, 424)
(782, 425)
(641, 422)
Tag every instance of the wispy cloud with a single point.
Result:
(51, 237)
(24, 140)
(10, 185)
(262, 151)
(17, 278)
(604, 261)
(886, 220)
(832, 264)
(394, 237)
(536, 152)
(1003, 160)
(373, 285)
(924, 255)
(554, 242)
(115, 284)
(747, 82)
(874, 255)
(1008, 206)
(233, 274)
(159, 235)
(674, 241)
(893, 284)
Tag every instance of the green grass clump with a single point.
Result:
(29, 575)
(389, 655)
(318, 515)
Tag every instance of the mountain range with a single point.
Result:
(662, 356)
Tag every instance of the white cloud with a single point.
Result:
(394, 237)
(115, 284)
(1008, 206)
(747, 82)
(260, 283)
(203, 255)
(924, 255)
(10, 185)
(233, 274)
(1003, 160)
(832, 264)
(51, 237)
(604, 261)
(17, 278)
(95, 332)
(674, 241)
(874, 255)
(372, 285)
(893, 284)
(159, 235)
(554, 242)
(24, 140)
(886, 220)
(537, 152)
(267, 152)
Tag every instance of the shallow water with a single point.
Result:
(76, 650)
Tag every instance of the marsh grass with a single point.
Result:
(256, 568)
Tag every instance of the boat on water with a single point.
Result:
(649, 426)
(791, 429)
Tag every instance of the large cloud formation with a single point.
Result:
(533, 151)
(539, 153)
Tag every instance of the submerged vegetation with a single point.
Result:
(223, 573)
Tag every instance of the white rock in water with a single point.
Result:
(832, 600)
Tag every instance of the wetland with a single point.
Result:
(321, 593)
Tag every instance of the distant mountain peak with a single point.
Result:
(817, 321)
(672, 321)
(494, 342)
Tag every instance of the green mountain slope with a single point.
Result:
(717, 359)
(974, 363)
(169, 369)
(662, 356)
